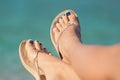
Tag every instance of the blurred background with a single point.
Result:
(31, 19)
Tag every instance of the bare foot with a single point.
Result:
(70, 38)
(50, 66)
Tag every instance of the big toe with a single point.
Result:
(30, 48)
(72, 16)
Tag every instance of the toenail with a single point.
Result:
(31, 41)
(44, 48)
(68, 14)
(40, 43)
(60, 17)
(63, 14)
(49, 52)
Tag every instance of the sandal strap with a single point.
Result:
(36, 64)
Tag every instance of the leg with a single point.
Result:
(97, 62)
(93, 61)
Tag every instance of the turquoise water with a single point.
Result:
(31, 19)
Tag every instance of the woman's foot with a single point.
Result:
(68, 29)
(50, 66)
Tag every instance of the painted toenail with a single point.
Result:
(68, 14)
(40, 43)
(31, 41)
(44, 48)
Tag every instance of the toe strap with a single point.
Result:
(39, 71)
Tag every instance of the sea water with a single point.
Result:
(31, 19)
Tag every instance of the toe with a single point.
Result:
(59, 26)
(65, 18)
(38, 45)
(56, 30)
(61, 21)
(50, 54)
(71, 16)
(30, 48)
(45, 50)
